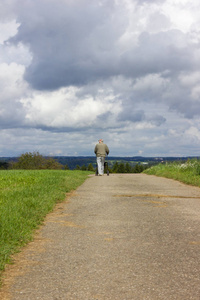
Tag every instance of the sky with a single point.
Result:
(127, 71)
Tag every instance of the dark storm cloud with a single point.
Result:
(74, 43)
(104, 117)
(158, 53)
(11, 116)
(71, 42)
(156, 120)
(133, 115)
(129, 114)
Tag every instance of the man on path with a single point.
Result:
(101, 150)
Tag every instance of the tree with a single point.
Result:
(138, 168)
(90, 167)
(52, 164)
(83, 168)
(121, 168)
(29, 160)
(4, 165)
(35, 161)
(115, 167)
(127, 168)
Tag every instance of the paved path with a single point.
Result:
(118, 237)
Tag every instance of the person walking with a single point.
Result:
(101, 150)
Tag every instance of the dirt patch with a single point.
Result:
(155, 196)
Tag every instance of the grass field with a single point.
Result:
(25, 199)
(187, 172)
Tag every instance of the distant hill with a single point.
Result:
(73, 161)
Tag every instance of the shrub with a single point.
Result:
(35, 161)
(90, 167)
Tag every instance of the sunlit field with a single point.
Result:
(187, 172)
(25, 199)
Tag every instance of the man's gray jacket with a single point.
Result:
(101, 150)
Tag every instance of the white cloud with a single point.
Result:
(183, 14)
(18, 54)
(193, 134)
(151, 83)
(7, 30)
(189, 79)
(63, 108)
(11, 81)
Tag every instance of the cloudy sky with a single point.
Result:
(74, 71)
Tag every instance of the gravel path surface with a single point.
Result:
(116, 237)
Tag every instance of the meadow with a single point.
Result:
(26, 197)
(187, 172)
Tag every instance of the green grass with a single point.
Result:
(25, 199)
(187, 172)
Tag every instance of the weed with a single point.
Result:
(188, 172)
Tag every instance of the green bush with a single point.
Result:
(35, 161)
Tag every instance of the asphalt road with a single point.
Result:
(116, 237)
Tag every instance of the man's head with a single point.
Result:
(101, 141)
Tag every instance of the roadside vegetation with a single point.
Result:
(187, 172)
(26, 196)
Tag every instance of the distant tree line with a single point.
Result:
(116, 168)
(35, 161)
(135, 164)
(4, 165)
(73, 161)
(128, 168)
